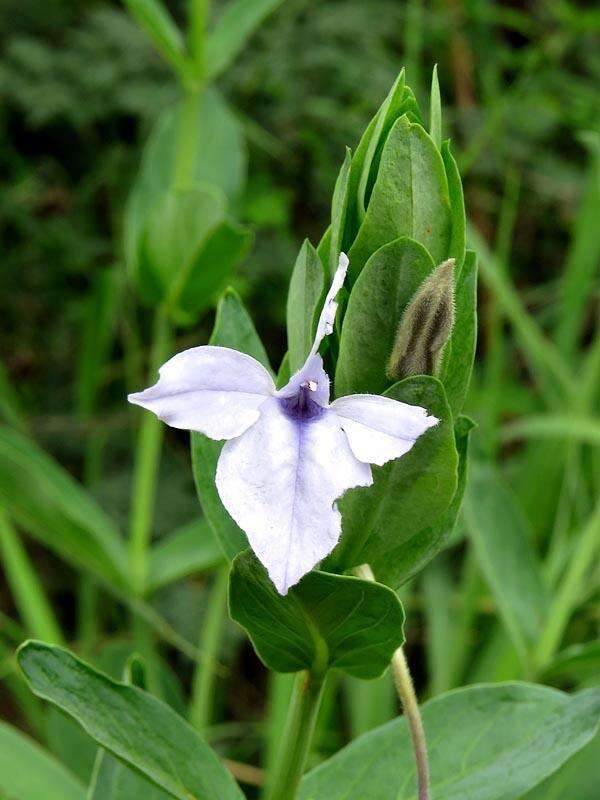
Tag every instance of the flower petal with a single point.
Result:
(327, 318)
(380, 428)
(279, 481)
(215, 390)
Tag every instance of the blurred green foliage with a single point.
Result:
(81, 87)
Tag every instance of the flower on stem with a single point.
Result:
(290, 453)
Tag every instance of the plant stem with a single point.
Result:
(30, 599)
(306, 699)
(406, 693)
(146, 467)
(199, 11)
(204, 679)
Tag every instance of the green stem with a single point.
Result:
(408, 698)
(199, 11)
(306, 699)
(187, 138)
(30, 599)
(204, 679)
(147, 460)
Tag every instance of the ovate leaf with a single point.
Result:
(324, 621)
(410, 556)
(129, 723)
(408, 494)
(410, 197)
(484, 742)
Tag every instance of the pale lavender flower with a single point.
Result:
(290, 453)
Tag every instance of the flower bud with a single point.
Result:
(425, 326)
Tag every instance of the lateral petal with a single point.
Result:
(380, 429)
(280, 480)
(214, 390)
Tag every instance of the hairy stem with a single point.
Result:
(408, 698)
(297, 736)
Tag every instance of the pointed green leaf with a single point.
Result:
(325, 621)
(435, 110)
(408, 494)
(484, 742)
(384, 288)
(129, 723)
(459, 354)
(237, 23)
(27, 772)
(156, 21)
(307, 286)
(410, 197)
(458, 236)
(339, 207)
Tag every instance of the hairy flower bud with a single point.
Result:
(425, 326)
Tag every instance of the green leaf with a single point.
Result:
(233, 328)
(435, 110)
(221, 164)
(27, 772)
(382, 291)
(404, 561)
(503, 544)
(235, 26)
(339, 207)
(307, 286)
(410, 197)
(112, 780)
(325, 621)
(554, 426)
(129, 723)
(213, 266)
(408, 494)
(576, 779)
(189, 550)
(484, 742)
(60, 513)
(458, 237)
(459, 355)
(154, 18)
(176, 229)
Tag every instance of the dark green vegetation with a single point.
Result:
(514, 595)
